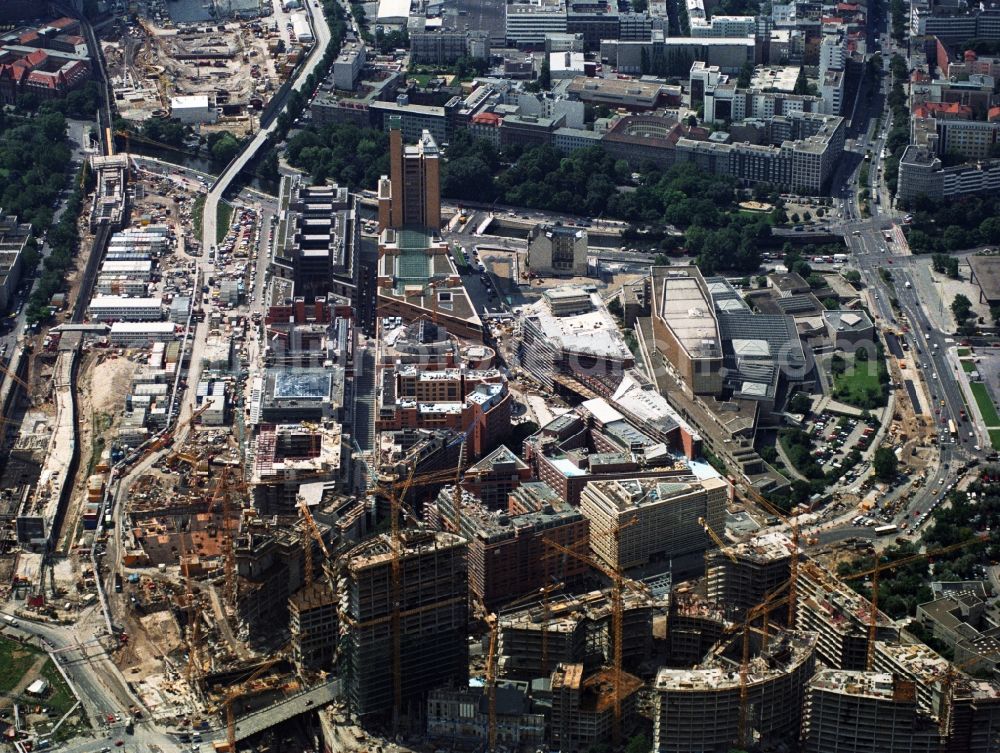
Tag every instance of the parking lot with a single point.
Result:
(836, 437)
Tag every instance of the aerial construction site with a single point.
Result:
(301, 472)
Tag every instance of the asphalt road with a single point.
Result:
(97, 683)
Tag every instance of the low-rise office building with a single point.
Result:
(106, 308)
(141, 334)
(557, 250)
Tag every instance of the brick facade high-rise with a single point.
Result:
(410, 196)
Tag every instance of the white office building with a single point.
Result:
(529, 22)
(193, 108)
(141, 334)
(120, 308)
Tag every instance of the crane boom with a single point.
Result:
(618, 583)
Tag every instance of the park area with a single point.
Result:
(986, 407)
(21, 666)
(859, 382)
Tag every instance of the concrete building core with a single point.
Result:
(433, 621)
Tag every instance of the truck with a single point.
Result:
(840, 258)
(907, 285)
(952, 429)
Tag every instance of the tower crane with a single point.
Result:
(7, 372)
(793, 566)
(763, 609)
(619, 582)
(395, 546)
(161, 441)
(880, 568)
(493, 624)
(723, 546)
(223, 494)
(311, 534)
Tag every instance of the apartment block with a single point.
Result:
(583, 706)
(744, 575)
(433, 622)
(921, 173)
(560, 456)
(508, 554)
(494, 477)
(527, 23)
(576, 629)
(557, 250)
(317, 240)
(865, 712)
(13, 237)
(724, 26)
(699, 709)
(312, 622)
(347, 66)
(462, 715)
(636, 522)
(840, 619)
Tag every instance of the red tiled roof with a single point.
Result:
(931, 109)
(45, 79)
(490, 118)
(62, 23)
(36, 58)
(993, 114)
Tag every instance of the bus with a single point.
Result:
(886, 529)
(952, 429)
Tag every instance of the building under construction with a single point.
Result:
(634, 522)
(312, 613)
(700, 708)
(508, 554)
(583, 705)
(840, 617)
(741, 576)
(576, 630)
(431, 646)
(865, 712)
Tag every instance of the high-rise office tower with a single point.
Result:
(410, 196)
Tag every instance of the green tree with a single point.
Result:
(885, 463)
(801, 83)
(638, 744)
(545, 75)
(746, 74)
(799, 403)
(961, 307)
(223, 147)
(853, 276)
